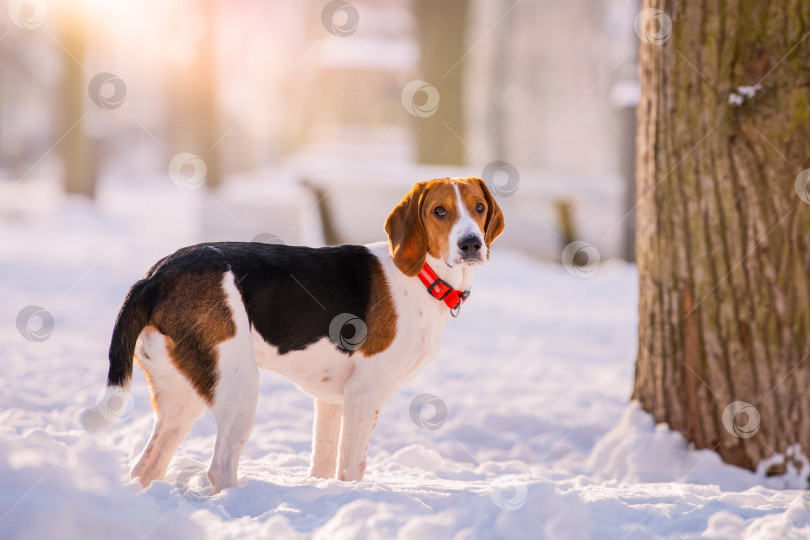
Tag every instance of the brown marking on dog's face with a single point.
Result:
(194, 315)
(422, 221)
(381, 316)
(490, 220)
(440, 196)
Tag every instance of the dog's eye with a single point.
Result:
(440, 211)
(480, 208)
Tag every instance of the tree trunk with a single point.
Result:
(79, 172)
(723, 240)
(497, 117)
(442, 25)
(193, 124)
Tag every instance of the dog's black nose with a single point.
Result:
(469, 245)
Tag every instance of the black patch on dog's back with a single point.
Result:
(293, 293)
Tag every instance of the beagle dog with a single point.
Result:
(349, 325)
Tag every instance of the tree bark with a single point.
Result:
(723, 240)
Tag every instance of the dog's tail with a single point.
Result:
(116, 402)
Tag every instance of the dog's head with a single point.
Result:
(453, 219)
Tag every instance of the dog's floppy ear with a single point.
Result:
(407, 238)
(495, 224)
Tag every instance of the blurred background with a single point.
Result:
(305, 122)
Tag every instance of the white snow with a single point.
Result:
(749, 91)
(743, 93)
(539, 442)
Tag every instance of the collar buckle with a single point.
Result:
(440, 293)
(443, 291)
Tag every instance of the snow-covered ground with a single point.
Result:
(539, 439)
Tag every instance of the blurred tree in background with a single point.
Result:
(193, 97)
(441, 27)
(79, 170)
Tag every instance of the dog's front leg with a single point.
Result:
(364, 397)
(325, 437)
(360, 413)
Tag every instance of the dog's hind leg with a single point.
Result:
(235, 396)
(234, 409)
(177, 406)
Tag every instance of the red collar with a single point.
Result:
(441, 290)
